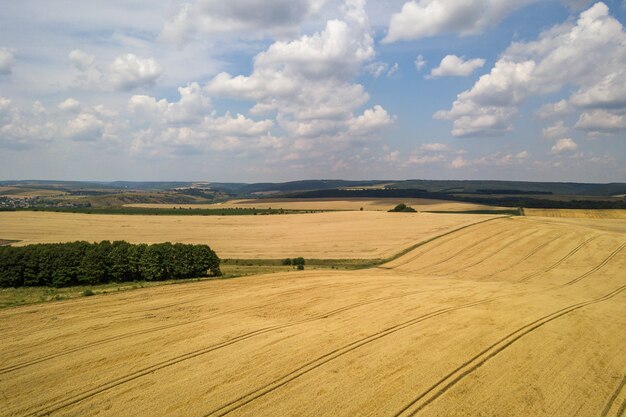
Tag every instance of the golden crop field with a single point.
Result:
(577, 213)
(368, 204)
(335, 235)
(509, 317)
(19, 192)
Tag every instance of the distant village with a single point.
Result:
(9, 203)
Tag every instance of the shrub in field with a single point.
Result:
(402, 208)
(298, 261)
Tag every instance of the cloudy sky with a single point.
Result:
(278, 90)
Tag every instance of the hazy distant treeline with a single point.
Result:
(83, 263)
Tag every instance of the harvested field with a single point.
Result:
(576, 214)
(368, 204)
(510, 317)
(337, 235)
(18, 192)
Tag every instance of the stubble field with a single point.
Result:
(507, 317)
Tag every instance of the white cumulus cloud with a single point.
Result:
(425, 18)
(565, 55)
(80, 59)
(454, 66)
(601, 121)
(210, 17)
(129, 71)
(85, 127)
(69, 104)
(7, 59)
(307, 82)
(564, 145)
(557, 130)
(420, 62)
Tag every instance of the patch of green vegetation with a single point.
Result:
(165, 211)
(13, 297)
(402, 208)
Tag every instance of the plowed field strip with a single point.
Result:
(469, 366)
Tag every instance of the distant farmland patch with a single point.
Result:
(577, 214)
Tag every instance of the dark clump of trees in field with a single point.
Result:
(402, 208)
(298, 262)
(83, 263)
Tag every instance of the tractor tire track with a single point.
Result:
(489, 256)
(64, 403)
(17, 366)
(597, 267)
(332, 355)
(609, 404)
(439, 241)
(533, 252)
(560, 261)
(74, 349)
(451, 379)
(462, 250)
(58, 405)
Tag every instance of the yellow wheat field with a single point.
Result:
(18, 192)
(509, 317)
(367, 204)
(577, 214)
(336, 235)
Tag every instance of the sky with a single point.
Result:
(281, 90)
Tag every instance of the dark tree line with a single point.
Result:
(479, 198)
(83, 263)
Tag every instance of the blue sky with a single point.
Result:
(251, 90)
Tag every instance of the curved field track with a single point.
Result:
(509, 317)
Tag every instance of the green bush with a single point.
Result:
(300, 267)
(286, 261)
(402, 208)
(88, 293)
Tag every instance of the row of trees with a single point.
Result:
(83, 263)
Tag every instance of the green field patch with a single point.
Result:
(167, 211)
